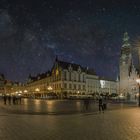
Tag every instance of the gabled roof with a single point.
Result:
(66, 65)
(63, 65)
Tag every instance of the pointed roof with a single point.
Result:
(66, 65)
(126, 40)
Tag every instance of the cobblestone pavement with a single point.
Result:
(122, 124)
(42, 107)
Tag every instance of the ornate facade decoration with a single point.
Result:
(128, 73)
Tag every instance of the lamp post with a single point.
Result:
(49, 88)
(37, 90)
(138, 81)
(25, 92)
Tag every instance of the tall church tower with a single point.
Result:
(125, 64)
(128, 74)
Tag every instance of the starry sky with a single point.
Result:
(86, 32)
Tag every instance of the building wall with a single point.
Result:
(68, 81)
(92, 84)
(108, 86)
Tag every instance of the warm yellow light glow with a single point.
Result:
(49, 88)
(121, 96)
(137, 95)
(37, 89)
(25, 91)
(138, 81)
(20, 91)
(50, 103)
(57, 72)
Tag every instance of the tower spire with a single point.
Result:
(126, 40)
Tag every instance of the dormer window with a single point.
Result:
(70, 68)
(79, 69)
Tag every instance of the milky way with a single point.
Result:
(87, 32)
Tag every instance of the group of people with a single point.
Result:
(101, 102)
(11, 99)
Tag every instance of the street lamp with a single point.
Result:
(138, 81)
(25, 91)
(37, 89)
(50, 88)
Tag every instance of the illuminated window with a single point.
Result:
(102, 82)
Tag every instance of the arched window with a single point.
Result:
(79, 77)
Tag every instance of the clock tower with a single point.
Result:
(125, 65)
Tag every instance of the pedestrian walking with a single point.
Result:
(9, 99)
(104, 103)
(101, 108)
(5, 99)
(14, 99)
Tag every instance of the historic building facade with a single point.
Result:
(8, 87)
(66, 79)
(128, 74)
(108, 86)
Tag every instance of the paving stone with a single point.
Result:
(121, 124)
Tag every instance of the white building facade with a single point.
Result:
(108, 87)
(66, 79)
(69, 79)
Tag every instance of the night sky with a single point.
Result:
(86, 32)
